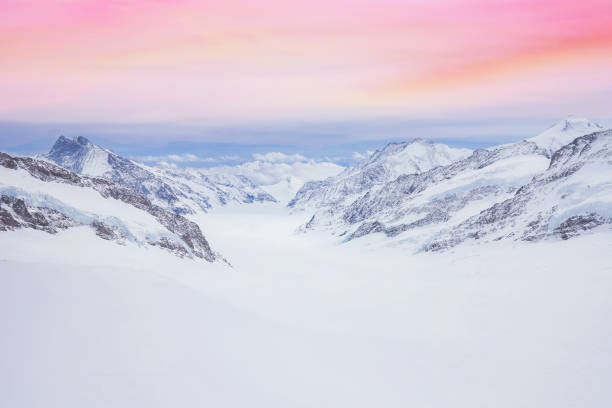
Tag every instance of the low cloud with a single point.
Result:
(267, 173)
(278, 157)
(185, 158)
(266, 168)
(273, 167)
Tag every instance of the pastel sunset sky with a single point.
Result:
(234, 61)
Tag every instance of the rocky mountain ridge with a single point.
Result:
(181, 191)
(470, 198)
(573, 196)
(372, 173)
(25, 202)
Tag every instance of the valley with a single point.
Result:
(348, 323)
(108, 298)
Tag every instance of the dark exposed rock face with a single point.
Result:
(14, 214)
(39, 169)
(573, 226)
(436, 216)
(165, 243)
(107, 232)
(19, 215)
(70, 154)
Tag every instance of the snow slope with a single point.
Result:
(413, 157)
(40, 195)
(372, 173)
(285, 189)
(563, 132)
(412, 208)
(450, 204)
(299, 323)
(572, 197)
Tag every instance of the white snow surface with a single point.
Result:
(303, 321)
(390, 205)
(507, 174)
(96, 162)
(563, 132)
(374, 172)
(412, 157)
(79, 202)
(298, 322)
(285, 189)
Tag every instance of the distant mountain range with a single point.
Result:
(555, 185)
(34, 193)
(421, 195)
(182, 191)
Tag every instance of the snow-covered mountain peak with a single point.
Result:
(40, 195)
(563, 132)
(383, 166)
(415, 156)
(80, 155)
(179, 190)
(63, 143)
(531, 190)
(578, 123)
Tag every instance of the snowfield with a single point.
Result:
(302, 322)
(423, 276)
(83, 204)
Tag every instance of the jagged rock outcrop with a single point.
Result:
(14, 213)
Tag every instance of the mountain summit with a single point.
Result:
(381, 167)
(37, 194)
(416, 156)
(563, 132)
(181, 191)
(551, 186)
(81, 156)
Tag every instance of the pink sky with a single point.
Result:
(196, 60)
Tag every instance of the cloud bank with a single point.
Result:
(274, 167)
(185, 158)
